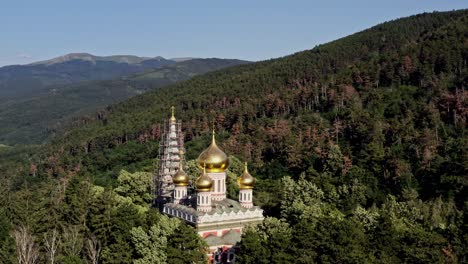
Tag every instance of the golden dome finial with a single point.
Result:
(213, 137)
(246, 181)
(173, 119)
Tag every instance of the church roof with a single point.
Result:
(183, 208)
(230, 238)
(227, 206)
(219, 207)
(213, 240)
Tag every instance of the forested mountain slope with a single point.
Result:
(371, 129)
(35, 119)
(388, 95)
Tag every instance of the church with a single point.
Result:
(202, 202)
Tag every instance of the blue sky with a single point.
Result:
(245, 29)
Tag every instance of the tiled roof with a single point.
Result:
(230, 238)
(213, 240)
(227, 206)
(219, 207)
(183, 208)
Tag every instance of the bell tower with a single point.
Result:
(171, 145)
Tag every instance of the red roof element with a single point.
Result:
(212, 233)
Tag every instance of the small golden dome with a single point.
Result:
(246, 181)
(173, 119)
(213, 158)
(180, 178)
(204, 183)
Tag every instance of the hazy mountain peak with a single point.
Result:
(129, 59)
(67, 57)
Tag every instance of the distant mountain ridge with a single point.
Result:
(130, 59)
(31, 79)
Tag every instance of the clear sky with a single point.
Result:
(246, 29)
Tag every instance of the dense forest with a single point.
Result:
(359, 147)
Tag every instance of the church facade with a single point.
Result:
(202, 202)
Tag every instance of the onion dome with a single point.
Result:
(204, 183)
(246, 181)
(180, 178)
(173, 119)
(213, 158)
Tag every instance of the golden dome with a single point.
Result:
(204, 183)
(180, 178)
(246, 181)
(173, 119)
(213, 158)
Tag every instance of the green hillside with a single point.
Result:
(359, 147)
(373, 78)
(36, 119)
